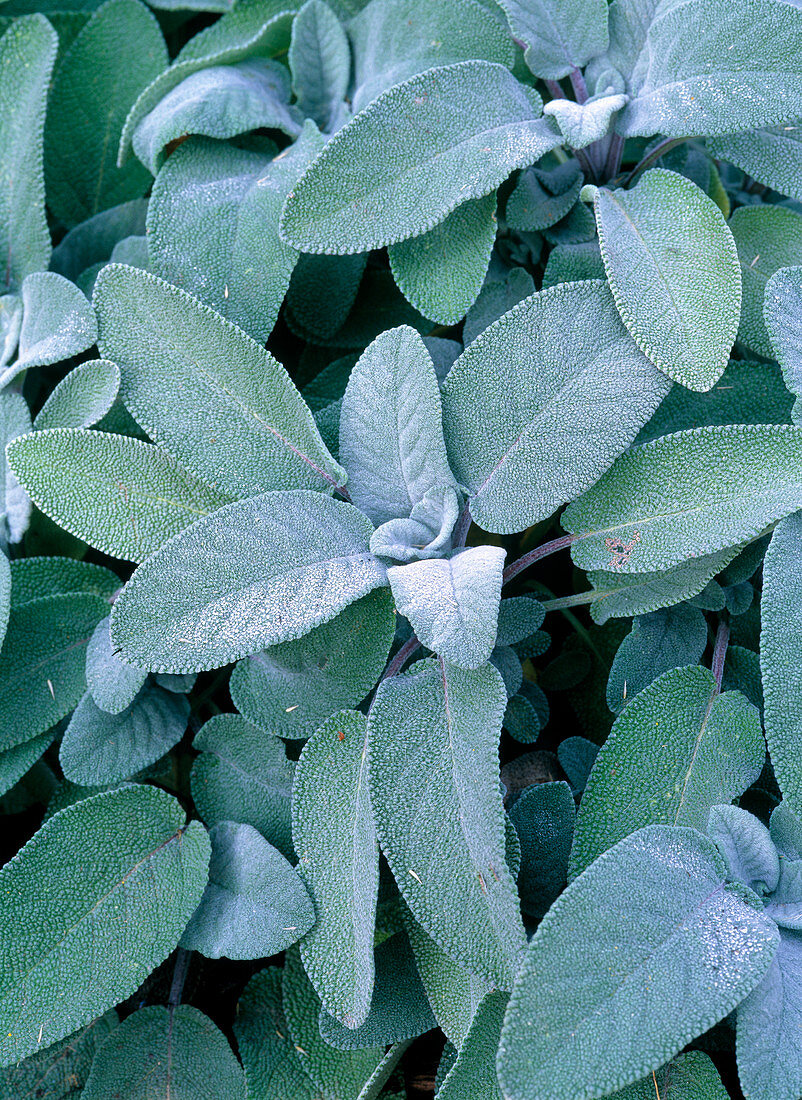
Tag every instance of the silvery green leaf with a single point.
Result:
(699, 748)
(399, 1009)
(558, 35)
(10, 325)
(112, 684)
(543, 817)
(226, 250)
(502, 291)
(664, 639)
(782, 312)
(452, 603)
(113, 910)
(42, 663)
(33, 578)
(768, 1022)
(334, 835)
(321, 293)
(577, 756)
(292, 687)
(99, 747)
(121, 495)
(254, 904)
(14, 763)
(222, 101)
(93, 241)
(673, 269)
(81, 398)
(687, 494)
(695, 75)
(433, 745)
(690, 1076)
(780, 638)
(427, 531)
(556, 384)
(518, 618)
(272, 1064)
(473, 1074)
(541, 198)
(441, 272)
(747, 847)
(393, 40)
(353, 199)
(391, 427)
(257, 572)
(27, 53)
(628, 941)
(15, 504)
(583, 123)
(772, 156)
(768, 238)
(179, 361)
(320, 63)
(132, 251)
(568, 263)
(91, 96)
(507, 663)
(57, 323)
(785, 905)
(61, 1069)
(786, 831)
(243, 774)
(248, 30)
(175, 1052)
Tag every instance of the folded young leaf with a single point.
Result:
(62, 1068)
(255, 573)
(226, 250)
(452, 604)
(782, 312)
(768, 238)
(27, 54)
(473, 1075)
(360, 194)
(780, 641)
(222, 101)
(664, 639)
(433, 758)
(91, 96)
(320, 63)
(81, 398)
(176, 1052)
(118, 494)
(183, 366)
(768, 1023)
(685, 495)
(555, 385)
(243, 774)
(392, 40)
(292, 687)
(695, 75)
(628, 941)
(272, 1064)
(747, 847)
(558, 36)
(442, 271)
(254, 904)
(427, 531)
(334, 835)
(391, 427)
(674, 272)
(581, 124)
(99, 748)
(124, 873)
(772, 156)
(42, 664)
(697, 747)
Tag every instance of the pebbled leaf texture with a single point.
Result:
(243, 774)
(678, 749)
(473, 1075)
(176, 1052)
(691, 1076)
(57, 323)
(92, 94)
(56, 1073)
(452, 604)
(782, 312)
(626, 969)
(687, 494)
(81, 398)
(673, 269)
(112, 684)
(556, 385)
(124, 873)
(183, 365)
(665, 639)
(464, 129)
(558, 36)
(433, 744)
(334, 834)
(391, 427)
(27, 54)
(121, 495)
(320, 63)
(299, 558)
(772, 156)
(33, 578)
(254, 904)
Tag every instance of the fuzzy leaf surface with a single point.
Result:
(691, 1076)
(782, 312)
(454, 992)
(558, 36)
(473, 1075)
(112, 684)
(665, 639)
(772, 156)
(57, 323)
(320, 63)
(124, 873)
(81, 398)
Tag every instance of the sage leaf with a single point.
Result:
(773, 155)
(320, 63)
(57, 323)
(782, 312)
(558, 37)
(61, 1068)
(81, 398)
(473, 1075)
(691, 1076)
(112, 684)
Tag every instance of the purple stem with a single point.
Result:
(614, 154)
(405, 652)
(720, 651)
(535, 555)
(555, 88)
(658, 151)
(579, 86)
(461, 528)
